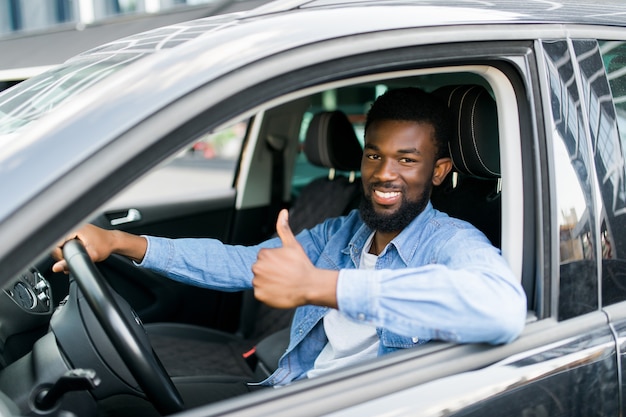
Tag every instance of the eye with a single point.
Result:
(372, 156)
(407, 160)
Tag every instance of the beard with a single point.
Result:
(397, 221)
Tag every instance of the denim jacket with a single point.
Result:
(440, 278)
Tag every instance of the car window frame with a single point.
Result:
(491, 355)
(509, 123)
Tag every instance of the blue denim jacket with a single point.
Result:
(440, 278)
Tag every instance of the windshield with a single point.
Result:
(29, 100)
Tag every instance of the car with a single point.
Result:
(538, 91)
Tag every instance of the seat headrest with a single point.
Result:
(332, 143)
(474, 147)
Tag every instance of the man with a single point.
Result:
(393, 274)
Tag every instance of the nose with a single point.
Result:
(386, 170)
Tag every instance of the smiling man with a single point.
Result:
(393, 274)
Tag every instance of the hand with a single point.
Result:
(98, 243)
(285, 277)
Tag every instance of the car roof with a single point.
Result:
(568, 11)
(423, 13)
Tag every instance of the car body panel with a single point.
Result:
(474, 378)
(539, 381)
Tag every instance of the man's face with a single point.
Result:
(398, 171)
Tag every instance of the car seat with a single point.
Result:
(472, 190)
(330, 143)
(188, 350)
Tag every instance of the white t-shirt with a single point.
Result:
(349, 342)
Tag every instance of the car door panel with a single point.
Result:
(560, 372)
(553, 369)
(608, 133)
(154, 297)
(617, 315)
(574, 377)
(159, 299)
(194, 217)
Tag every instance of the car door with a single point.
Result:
(191, 195)
(198, 193)
(565, 362)
(574, 374)
(573, 370)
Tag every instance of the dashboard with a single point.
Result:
(31, 292)
(26, 307)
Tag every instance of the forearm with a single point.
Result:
(202, 262)
(322, 289)
(434, 302)
(131, 246)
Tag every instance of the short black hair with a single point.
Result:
(414, 104)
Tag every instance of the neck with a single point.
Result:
(374, 247)
(380, 240)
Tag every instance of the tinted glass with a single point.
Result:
(610, 157)
(578, 285)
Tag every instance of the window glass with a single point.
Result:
(611, 168)
(578, 284)
(205, 167)
(33, 98)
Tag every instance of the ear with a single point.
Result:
(442, 167)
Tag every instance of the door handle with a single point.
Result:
(133, 215)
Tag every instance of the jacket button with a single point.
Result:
(415, 339)
(361, 316)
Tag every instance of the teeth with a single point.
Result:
(387, 195)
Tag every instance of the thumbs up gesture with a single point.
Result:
(285, 277)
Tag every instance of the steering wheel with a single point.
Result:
(124, 331)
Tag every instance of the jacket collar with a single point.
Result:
(405, 244)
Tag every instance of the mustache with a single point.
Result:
(385, 185)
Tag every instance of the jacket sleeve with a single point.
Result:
(211, 264)
(469, 294)
(206, 263)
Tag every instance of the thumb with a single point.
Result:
(283, 229)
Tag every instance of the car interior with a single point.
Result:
(303, 154)
(472, 192)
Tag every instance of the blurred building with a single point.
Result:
(32, 15)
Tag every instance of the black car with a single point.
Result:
(199, 130)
